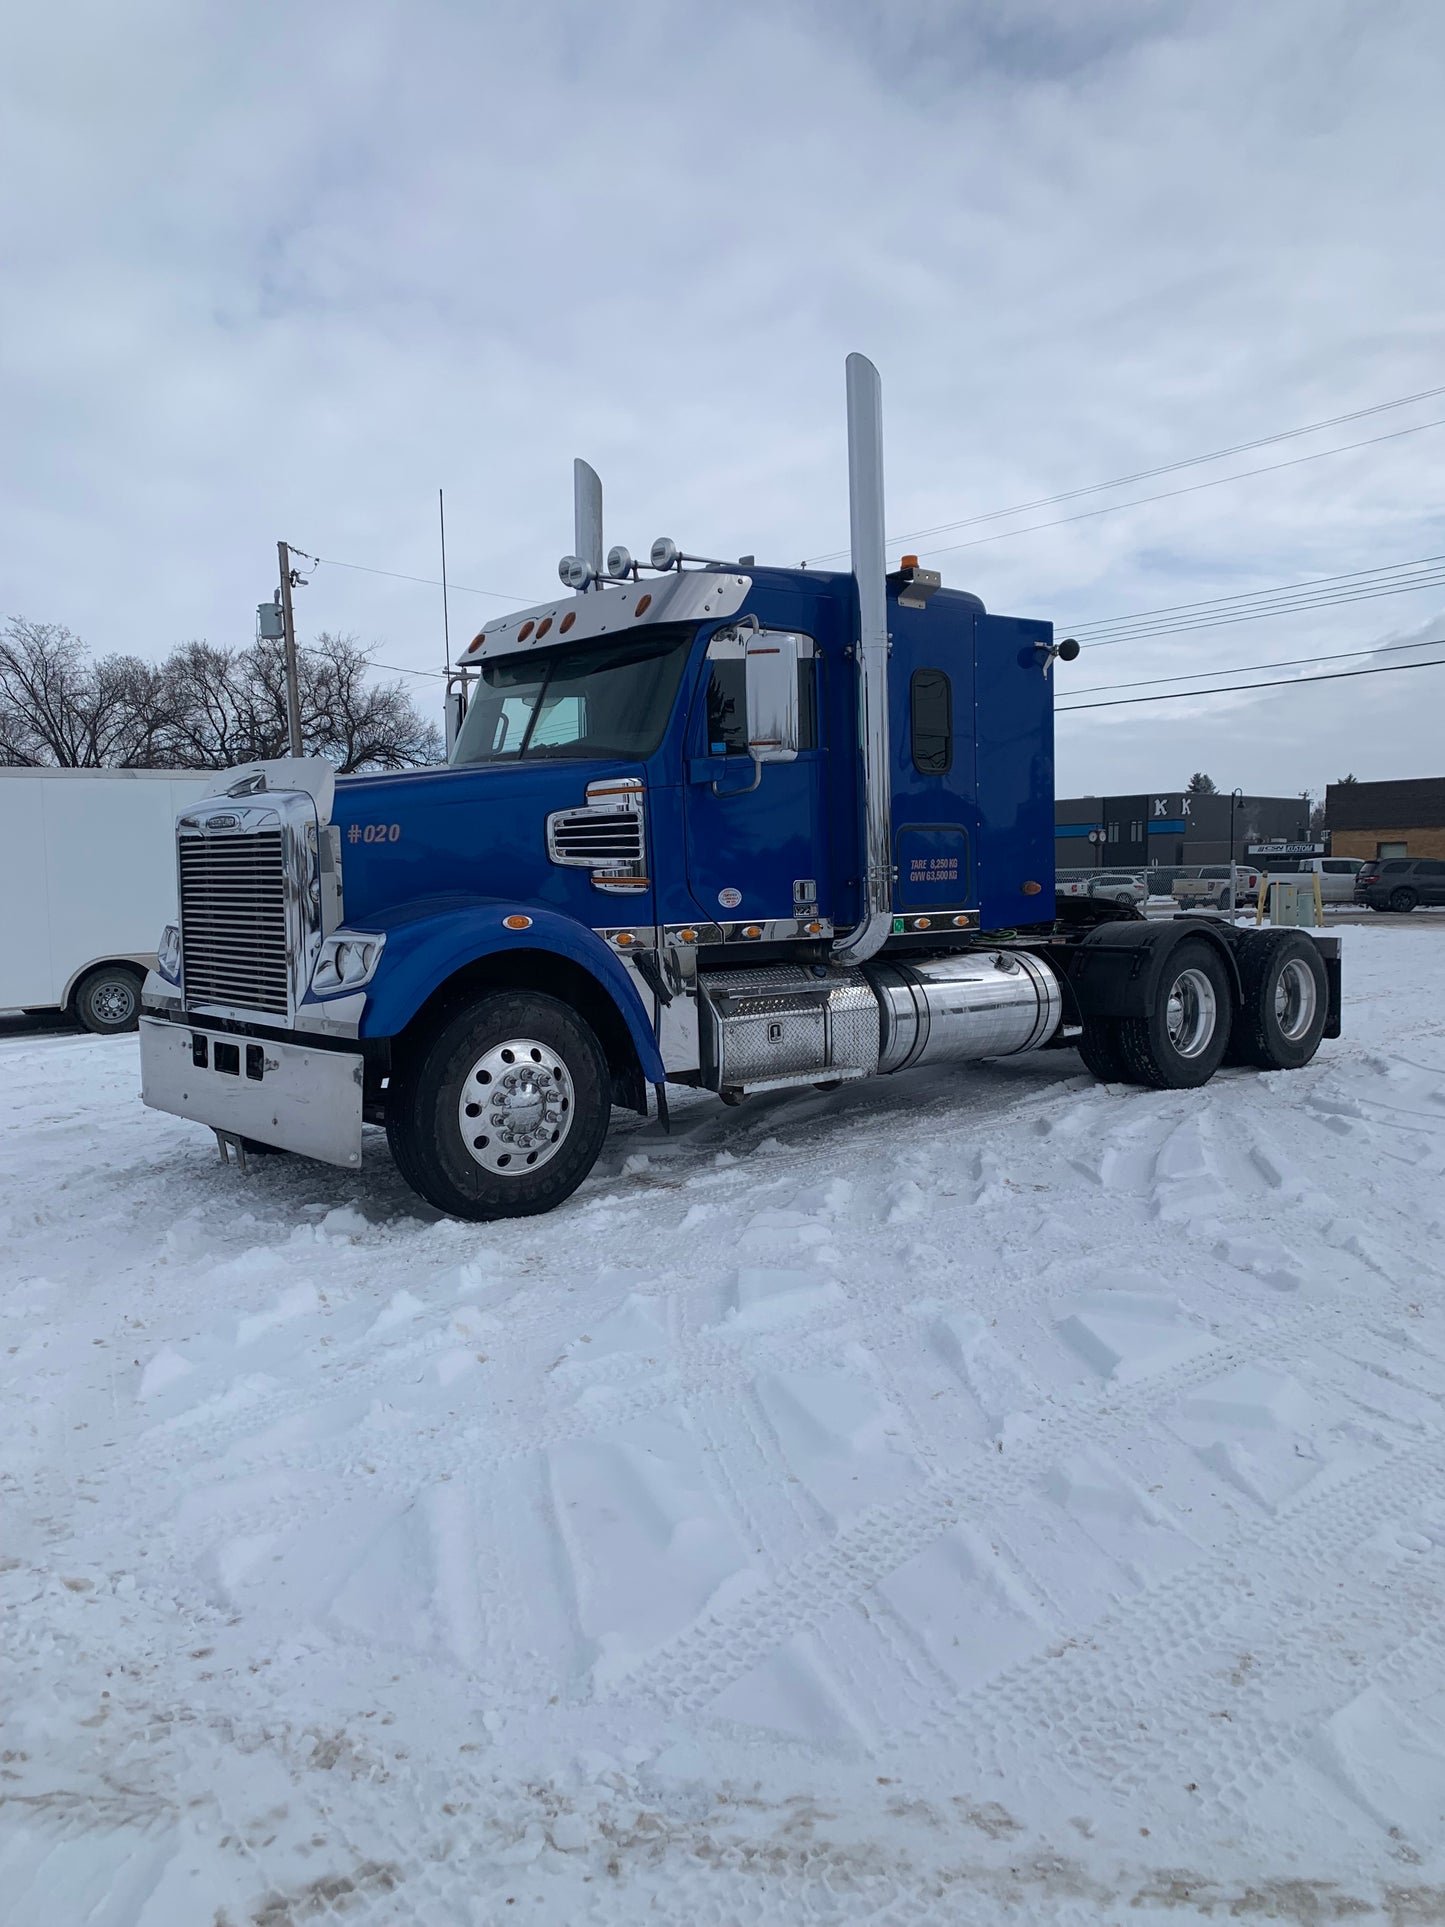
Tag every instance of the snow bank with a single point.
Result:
(978, 1496)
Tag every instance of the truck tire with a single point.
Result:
(501, 1111)
(1180, 1045)
(1284, 1002)
(107, 1000)
(1099, 1048)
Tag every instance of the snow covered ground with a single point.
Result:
(971, 1497)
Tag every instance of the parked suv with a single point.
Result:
(1118, 886)
(1400, 882)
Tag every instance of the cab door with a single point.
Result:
(756, 833)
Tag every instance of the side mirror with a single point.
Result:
(456, 711)
(772, 686)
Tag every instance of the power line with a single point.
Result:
(431, 582)
(1250, 595)
(1283, 682)
(1147, 474)
(1281, 608)
(1246, 668)
(1193, 488)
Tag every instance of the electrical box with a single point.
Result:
(269, 624)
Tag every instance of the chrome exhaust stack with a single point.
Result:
(587, 516)
(865, 504)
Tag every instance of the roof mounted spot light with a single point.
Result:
(619, 562)
(665, 554)
(575, 573)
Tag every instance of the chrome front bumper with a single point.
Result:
(291, 1095)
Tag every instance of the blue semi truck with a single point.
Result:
(703, 823)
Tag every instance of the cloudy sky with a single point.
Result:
(283, 271)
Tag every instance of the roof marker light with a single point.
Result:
(644, 603)
(566, 623)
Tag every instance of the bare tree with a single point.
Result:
(202, 708)
(58, 707)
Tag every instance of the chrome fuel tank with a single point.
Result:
(949, 1009)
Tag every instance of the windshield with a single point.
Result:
(610, 697)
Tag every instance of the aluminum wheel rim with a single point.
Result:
(516, 1107)
(113, 1003)
(1295, 999)
(1191, 1013)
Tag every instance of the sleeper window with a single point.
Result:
(932, 703)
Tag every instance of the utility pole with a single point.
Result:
(293, 687)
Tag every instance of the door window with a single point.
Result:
(931, 695)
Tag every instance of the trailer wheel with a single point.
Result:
(1284, 1003)
(1180, 1045)
(1100, 1050)
(107, 1000)
(501, 1112)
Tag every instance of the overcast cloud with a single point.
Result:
(281, 271)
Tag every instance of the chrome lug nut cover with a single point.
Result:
(516, 1107)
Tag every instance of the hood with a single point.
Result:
(479, 833)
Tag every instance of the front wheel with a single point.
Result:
(1180, 1044)
(108, 1000)
(502, 1111)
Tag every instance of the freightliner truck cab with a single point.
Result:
(708, 824)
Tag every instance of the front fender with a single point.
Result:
(422, 952)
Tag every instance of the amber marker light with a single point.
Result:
(1032, 889)
(566, 623)
(525, 631)
(517, 923)
(624, 939)
(543, 626)
(644, 603)
(923, 923)
(477, 641)
(687, 936)
(753, 930)
(909, 562)
(960, 923)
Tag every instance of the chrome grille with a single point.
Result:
(233, 921)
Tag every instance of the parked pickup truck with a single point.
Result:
(1218, 886)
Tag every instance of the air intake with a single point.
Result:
(607, 835)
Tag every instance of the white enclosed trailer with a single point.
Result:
(87, 883)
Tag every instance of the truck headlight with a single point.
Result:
(347, 961)
(168, 953)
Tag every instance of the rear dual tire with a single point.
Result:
(1283, 1005)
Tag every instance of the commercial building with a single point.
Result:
(1406, 818)
(1173, 827)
